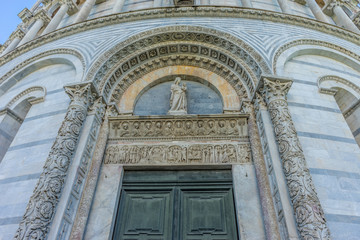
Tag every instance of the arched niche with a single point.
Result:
(310, 47)
(202, 97)
(227, 93)
(14, 112)
(53, 57)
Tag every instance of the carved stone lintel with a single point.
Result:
(309, 214)
(229, 127)
(43, 203)
(183, 153)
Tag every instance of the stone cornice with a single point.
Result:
(213, 11)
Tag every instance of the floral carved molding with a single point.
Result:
(309, 214)
(43, 203)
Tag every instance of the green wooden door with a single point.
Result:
(176, 205)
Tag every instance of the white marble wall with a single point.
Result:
(23, 163)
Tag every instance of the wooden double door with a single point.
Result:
(176, 205)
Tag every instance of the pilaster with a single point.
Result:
(309, 214)
(44, 201)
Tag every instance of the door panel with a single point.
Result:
(176, 205)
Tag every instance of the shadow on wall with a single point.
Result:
(201, 99)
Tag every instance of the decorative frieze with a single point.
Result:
(309, 214)
(184, 153)
(179, 128)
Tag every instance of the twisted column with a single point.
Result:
(66, 6)
(43, 203)
(85, 11)
(15, 39)
(41, 19)
(309, 214)
(343, 20)
(267, 205)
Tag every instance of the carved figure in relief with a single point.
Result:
(222, 129)
(168, 131)
(176, 155)
(178, 102)
(188, 128)
(157, 154)
(211, 128)
(158, 128)
(148, 130)
(233, 129)
(125, 130)
(136, 129)
(201, 129)
(229, 154)
(179, 131)
(195, 154)
(208, 154)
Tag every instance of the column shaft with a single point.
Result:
(284, 6)
(31, 34)
(43, 203)
(118, 6)
(246, 3)
(157, 3)
(267, 205)
(54, 23)
(85, 11)
(11, 46)
(316, 10)
(309, 214)
(205, 2)
(344, 19)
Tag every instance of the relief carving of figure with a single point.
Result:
(125, 130)
(148, 131)
(233, 130)
(211, 128)
(201, 128)
(178, 102)
(168, 131)
(136, 129)
(158, 129)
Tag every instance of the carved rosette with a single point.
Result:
(309, 214)
(42, 205)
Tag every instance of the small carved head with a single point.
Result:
(188, 124)
(125, 126)
(177, 80)
(178, 124)
(221, 123)
(200, 124)
(168, 124)
(158, 124)
(232, 123)
(211, 124)
(148, 125)
(136, 125)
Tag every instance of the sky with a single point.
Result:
(8, 16)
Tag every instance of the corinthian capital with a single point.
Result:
(274, 88)
(73, 8)
(329, 6)
(81, 94)
(43, 16)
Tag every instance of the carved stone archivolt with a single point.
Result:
(231, 127)
(178, 154)
(309, 214)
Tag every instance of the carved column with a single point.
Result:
(85, 11)
(316, 10)
(15, 39)
(41, 19)
(271, 224)
(43, 203)
(343, 20)
(78, 230)
(66, 6)
(309, 214)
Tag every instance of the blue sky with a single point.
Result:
(8, 16)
